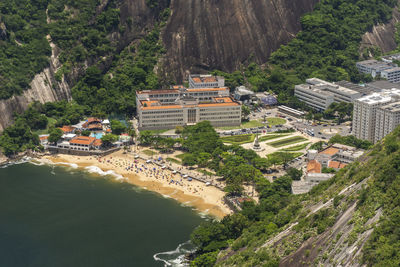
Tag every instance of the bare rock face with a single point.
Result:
(44, 88)
(222, 34)
(382, 35)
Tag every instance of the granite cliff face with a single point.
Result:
(382, 35)
(222, 34)
(44, 88)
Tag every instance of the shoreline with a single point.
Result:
(204, 199)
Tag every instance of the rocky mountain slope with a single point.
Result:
(206, 35)
(199, 36)
(382, 35)
(349, 220)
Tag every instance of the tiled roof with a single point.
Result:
(97, 142)
(67, 129)
(162, 107)
(44, 137)
(330, 151)
(336, 164)
(207, 89)
(219, 104)
(82, 140)
(313, 166)
(95, 126)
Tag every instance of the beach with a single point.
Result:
(205, 199)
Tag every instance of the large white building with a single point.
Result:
(320, 94)
(366, 123)
(392, 75)
(163, 109)
(374, 67)
(205, 81)
(387, 118)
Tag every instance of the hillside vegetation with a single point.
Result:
(351, 219)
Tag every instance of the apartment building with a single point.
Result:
(366, 122)
(392, 75)
(205, 81)
(374, 67)
(319, 94)
(163, 109)
(387, 118)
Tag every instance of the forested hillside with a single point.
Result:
(352, 219)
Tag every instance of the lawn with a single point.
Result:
(173, 160)
(282, 157)
(275, 121)
(244, 125)
(181, 156)
(296, 148)
(239, 139)
(149, 152)
(287, 141)
(270, 137)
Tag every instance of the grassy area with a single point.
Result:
(173, 160)
(275, 121)
(50, 123)
(287, 141)
(282, 157)
(239, 139)
(296, 148)
(181, 156)
(244, 125)
(270, 137)
(149, 152)
(205, 172)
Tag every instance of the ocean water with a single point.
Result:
(60, 216)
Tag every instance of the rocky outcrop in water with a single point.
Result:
(209, 34)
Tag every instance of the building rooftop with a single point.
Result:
(67, 129)
(329, 151)
(395, 69)
(376, 64)
(392, 107)
(82, 140)
(314, 166)
(382, 84)
(206, 78)
(97, 142)
(336, 164)
(324, 85)
(375, 98)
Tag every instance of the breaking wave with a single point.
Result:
(175, 258)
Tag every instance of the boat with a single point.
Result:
(190, 179)
(174, 172)
(208, 184)
(148, 161)
(185, 176)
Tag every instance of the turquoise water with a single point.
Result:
(97, 135)
(64, 217)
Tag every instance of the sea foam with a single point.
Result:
(97, 170)
(175, 257)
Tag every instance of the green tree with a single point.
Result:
(85, 133)
(108, 139)
(55, 135)
(117, 127)
(294, 173)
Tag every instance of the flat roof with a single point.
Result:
(375, 98)
(325, 85)
(392, 107)
(395, 69)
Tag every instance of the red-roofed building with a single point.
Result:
(314, 166)
(67, 129)
(82, 143)
(336, 165)
(92, 124)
